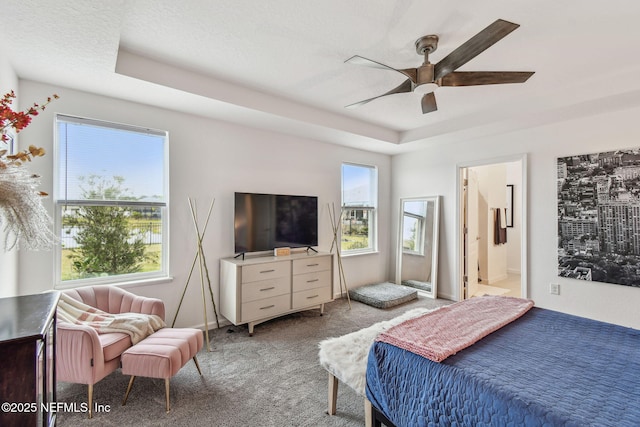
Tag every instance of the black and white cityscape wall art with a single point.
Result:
(599, 217)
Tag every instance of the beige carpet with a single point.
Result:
(271, 379)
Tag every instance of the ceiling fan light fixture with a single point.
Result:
(425, 88)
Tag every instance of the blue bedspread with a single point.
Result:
(544, 369)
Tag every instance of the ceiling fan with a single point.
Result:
(444, 72)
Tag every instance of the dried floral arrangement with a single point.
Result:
(24, 220)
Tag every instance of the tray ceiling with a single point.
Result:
(280, 64)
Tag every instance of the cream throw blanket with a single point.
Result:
(137, 325)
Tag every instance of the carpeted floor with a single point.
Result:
(270, 379)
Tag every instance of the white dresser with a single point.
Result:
(257, 289)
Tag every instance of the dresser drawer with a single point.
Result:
(267, 270)
(312, 280)
(265, 289)
(311, 297)
(314, 263)
(265, 308)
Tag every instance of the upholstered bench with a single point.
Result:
(162, 355)
(345, 358)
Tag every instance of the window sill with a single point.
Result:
(145, 282)
(354, 254)
(124, 284)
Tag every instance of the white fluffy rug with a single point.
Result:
(345, 357)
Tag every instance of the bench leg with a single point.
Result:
(197, 365)
(166, 387)
(90, 400)
(368, 413)
(333, 394)
(126, 395)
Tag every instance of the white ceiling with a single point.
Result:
(279, 64)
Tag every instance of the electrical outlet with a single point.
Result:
(554, 288)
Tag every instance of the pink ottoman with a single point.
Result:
(161, 355)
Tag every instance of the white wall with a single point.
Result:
(433, 171)
(210, 159)
(8, 259)
(213, 159)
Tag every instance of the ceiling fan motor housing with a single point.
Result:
(425, 74)
(424, 46)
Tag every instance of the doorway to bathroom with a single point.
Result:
(492, 228)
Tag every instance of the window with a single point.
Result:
(111, 197)
(359, 208)
(413, 223)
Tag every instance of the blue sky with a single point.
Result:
(93, 150)
(356, 181)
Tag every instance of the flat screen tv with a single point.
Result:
(263, 222)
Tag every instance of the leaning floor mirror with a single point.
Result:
(417, 259)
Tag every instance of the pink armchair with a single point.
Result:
(83, 356)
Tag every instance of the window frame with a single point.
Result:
(419, 232)
(372, 211)
(60, 201)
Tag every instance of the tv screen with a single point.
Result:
(263, 222)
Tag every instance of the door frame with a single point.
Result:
(467, 175)
(522, 208)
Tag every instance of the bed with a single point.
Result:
(543, 369)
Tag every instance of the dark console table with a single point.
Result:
(27, 357)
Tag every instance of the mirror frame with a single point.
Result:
(435, 246)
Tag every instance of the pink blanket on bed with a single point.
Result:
(444, 332)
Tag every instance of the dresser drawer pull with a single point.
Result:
(267, 271)
(267, 307)
(267, 289)
(313, 265)
(312, 297)
(313, 280)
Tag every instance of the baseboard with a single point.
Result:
(496, 279)
(513, 271)
(447, 296)
(212, 324)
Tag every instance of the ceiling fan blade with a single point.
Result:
(476, 78)
(473, 47)
(362, 61)
(429, 103)
(406, 86)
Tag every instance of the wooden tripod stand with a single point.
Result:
(204, 270)
(335, 226)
